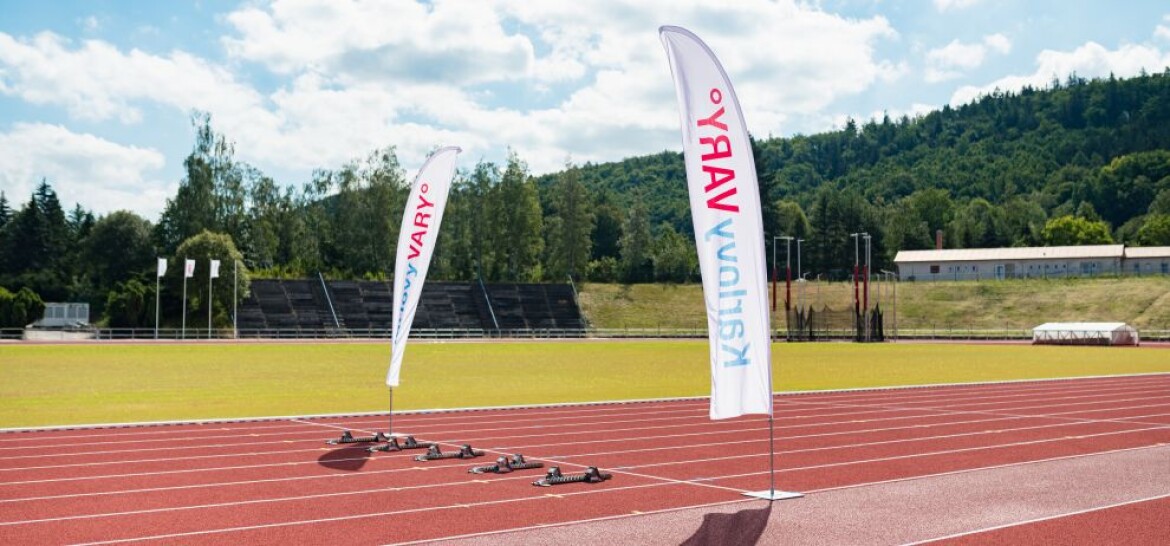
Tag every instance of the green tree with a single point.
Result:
(117, 249)
(1024, 220)
(569, 229)
(675, 259)
(1071, 230)
(1155, 231)
(20, 309)
(212, 195)
(520, 224)
(979, 224)
(637, 260)
(129, 305)
(203, 248)
(368, 213)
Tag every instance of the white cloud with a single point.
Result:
(549, 79)
(1090, 60)
(998, 43)
(100, 175)
(1163, 31)
(95, 81)
(946, 5)
(954, 59)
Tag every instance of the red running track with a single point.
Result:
(276, 482)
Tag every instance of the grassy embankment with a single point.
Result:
(1143, 302)
(77, 384)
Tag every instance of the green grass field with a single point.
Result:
(44, 385)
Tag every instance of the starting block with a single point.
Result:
(554, 477)
(504, 466)
(434, 454)
(347, 437)
(392, 445)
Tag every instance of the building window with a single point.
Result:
(934, 269)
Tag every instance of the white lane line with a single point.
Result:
(901, 457)
(1038, 520)
(363, 516)
(806, 492)
(507, 450)
(568, 523)
(513, 449)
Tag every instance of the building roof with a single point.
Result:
(1015, 253)
(1147, 252)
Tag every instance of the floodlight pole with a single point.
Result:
(787, 271)
(856, 295)
(865, 280)
(799, 271)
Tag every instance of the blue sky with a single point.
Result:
(96, 96)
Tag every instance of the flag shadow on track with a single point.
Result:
(742, 528)
(349, 458)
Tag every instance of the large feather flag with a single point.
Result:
(725, 207)
(416, 244)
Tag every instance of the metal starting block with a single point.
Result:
(392, 445)
(348, 438)
(504, 466)
(433, 453)
(554, 477)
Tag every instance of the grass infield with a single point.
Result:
(42, 385)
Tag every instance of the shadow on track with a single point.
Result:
(742, 528)
(350, 459)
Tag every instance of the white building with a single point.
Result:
(1147, 260)
(1022, 262)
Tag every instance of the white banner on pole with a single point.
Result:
(214, 269)
(416, 244)
(162, 266)
(729, 232)
(190, 269)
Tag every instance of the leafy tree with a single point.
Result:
(129, 305)
(203, 248)
(674, 256)
(1155, 231)
(637, 261)
(20, 309)
(570, 228)
(211, 196)
(118, 249)
(979, 224)
(1024, 220)
(367, 214)
(1072, 230)
(1160, 205)
(520, 223)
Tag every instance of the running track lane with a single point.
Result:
(270, 482)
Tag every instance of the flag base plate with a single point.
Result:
(774, 494)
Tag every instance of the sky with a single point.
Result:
(97, 96)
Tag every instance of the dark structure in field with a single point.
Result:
(364, 308)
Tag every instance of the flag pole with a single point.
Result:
(772, 453)
(210, 282)
(390, 416)
(235, 296)
(156, 288)
(183, 334)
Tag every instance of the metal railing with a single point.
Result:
(954, 333)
